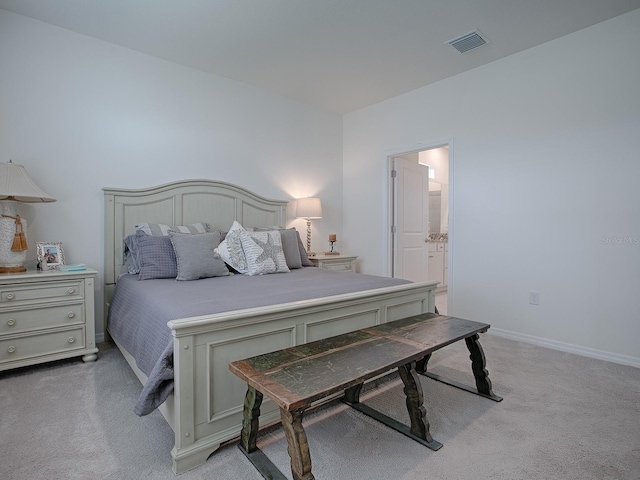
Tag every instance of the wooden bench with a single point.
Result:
(296, 377)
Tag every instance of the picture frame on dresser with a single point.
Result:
(50, 255)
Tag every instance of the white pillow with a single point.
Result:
(263, 252)
(230, 249)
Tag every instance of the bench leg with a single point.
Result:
(352, 394)
(250, 422)
(415, 402)
(421, 365)
(249, 435)
(419, 430)
(478, 365)
(297, 445)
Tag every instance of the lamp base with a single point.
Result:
(10, 260)
(17, 269)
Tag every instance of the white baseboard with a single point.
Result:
(99, 337)
(567, 347)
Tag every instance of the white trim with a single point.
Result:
(567, 347)
(390, 204)
(450, 232)
(388, 248)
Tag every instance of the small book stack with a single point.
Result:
(76, 267)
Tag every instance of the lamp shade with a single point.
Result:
(309, 207)
(16, 184)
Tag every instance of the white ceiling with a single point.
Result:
(338, 55)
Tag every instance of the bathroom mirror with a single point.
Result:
(437, 159)
(438, 207)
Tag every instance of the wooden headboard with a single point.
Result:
(179, 203)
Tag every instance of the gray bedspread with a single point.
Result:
(140, 310)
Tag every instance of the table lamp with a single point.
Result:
(309, 208)
(16, 186)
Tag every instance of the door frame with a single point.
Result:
(391, 207)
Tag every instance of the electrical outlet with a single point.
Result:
(534, 298)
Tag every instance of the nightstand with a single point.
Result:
(46, 316)
(339, 263)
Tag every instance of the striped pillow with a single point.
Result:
(160, 229)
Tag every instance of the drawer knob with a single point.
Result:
(11, 296)
(71, 314)
(71, 340)
(70, 290)
(11, 349)
(11, 322)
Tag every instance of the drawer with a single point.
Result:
(338, 266)
(51, 291)
(39, 345)
(439, 247)
(25, 320)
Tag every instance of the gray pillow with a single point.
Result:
(156, 257)
(130, 248)
(195, 257)
(289, 245)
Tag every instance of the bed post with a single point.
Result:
(109, 257)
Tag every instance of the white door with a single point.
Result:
(410, 220)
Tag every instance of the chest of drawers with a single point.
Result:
(46, 316)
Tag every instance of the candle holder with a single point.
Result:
(332, 240)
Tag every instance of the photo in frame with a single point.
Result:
(50, 255)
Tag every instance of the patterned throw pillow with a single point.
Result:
(289, 238)
(304, 258)
(230, 249)
(263, 252)
(156, 257)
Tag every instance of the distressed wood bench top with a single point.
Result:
(297, 376)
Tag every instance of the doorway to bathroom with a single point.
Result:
(421, 217)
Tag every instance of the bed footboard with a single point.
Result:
(208, 399)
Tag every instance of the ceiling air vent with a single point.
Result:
(468, 42)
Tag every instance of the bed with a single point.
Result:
(205, 406)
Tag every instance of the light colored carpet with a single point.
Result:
(563, 417)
